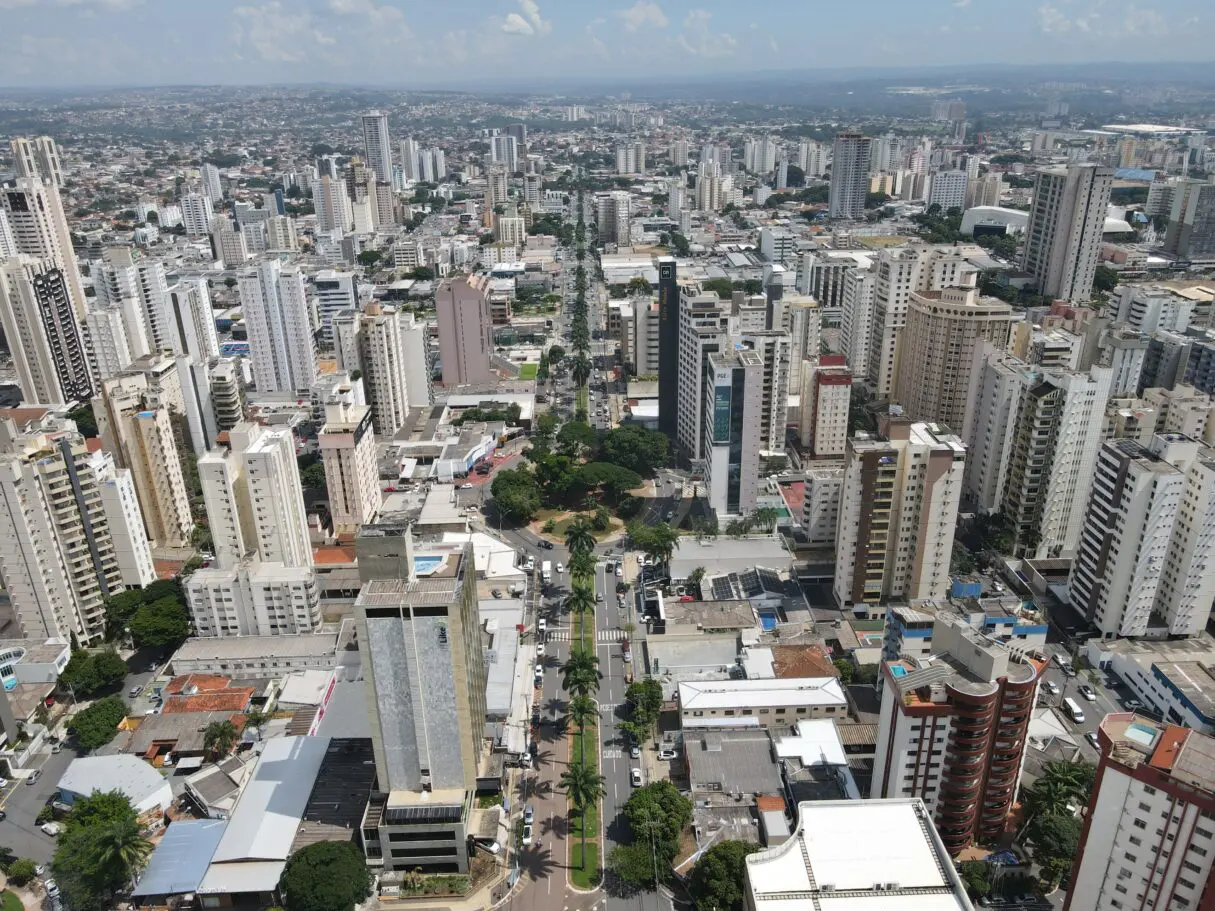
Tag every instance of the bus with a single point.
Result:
(1073, 709)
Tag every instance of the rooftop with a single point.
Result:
(789, 691)
(245, 647)
(134, 777)
(852, 855)
(732, 762)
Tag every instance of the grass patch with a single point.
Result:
(582, 400)
(10, 902)
(584, 875)
(485, 801)
(613, 528)
(528, 371)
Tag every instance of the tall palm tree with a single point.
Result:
(582, 564)
(122, 849)
(580, 601)
(766, 517)
(580, 712)
(220, 738)
(583, 786)
(579, 537)
(580, 674)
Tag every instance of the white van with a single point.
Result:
(1073, 709)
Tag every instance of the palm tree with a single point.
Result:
(1061, 784)
(766, 517)
(220, 738)
(579, 537)
(580, 601)
(580, 674)
(583, 787)
(582, 564)
(122, 849)
(580, 712)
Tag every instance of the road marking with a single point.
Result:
(612, 754)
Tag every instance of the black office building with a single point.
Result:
(668, 346)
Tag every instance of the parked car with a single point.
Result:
(527, 834)
(539, 674)
(539, 649)
(529, 813)
(619, 571)
(635, 777)
(466, 487)
(134, 691)
(52, 829)
(490, 847)
(634, 752)
(1134, 704)
(57, 747)
(667, 755)
(33, 777)
(1052, 687)
(541, 626)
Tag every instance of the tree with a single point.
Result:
(101, 808)
(21, 871)
(976, 877)
(766, 517)
(85, 421)
(325, 876)
(1055, 840)
(256, 719)
(98, 724)
(163, 623)
(121, 607)
(639, 285)
(220, 738)
(633, 864)
(121, 847)
(635, 448)
(660, 801)
(576, 439)
(556, 354)
(580, 674)
(717, 879)
(644, 698)
(694, 578)
(1061, 785)
(516, 494)
(583, 786)
(581, 711)
(313, 477)
(580, 364)
(846, 670)
(423, 273)
(656, 541)
(1106, 279)
(88, 673)
(579, 536)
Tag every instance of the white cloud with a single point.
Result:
(1144, 22)
(696, 39)
(1051, 19)
(517, 25)
(643, 13)
(275, 34)
(961, 4)
(455, 46)
(529, 22)
(598, 48)
(112, 5)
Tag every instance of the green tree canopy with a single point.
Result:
(98, 724)
(325, 876)
(160, 624)
(92, 672)
(644, 698)
(1106, 279)
(659, 801)
(516, 494)
(220, 738)
(1055, 840)
(101, 808)
(635, 448)
(718, 878)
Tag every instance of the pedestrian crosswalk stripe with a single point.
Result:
(603, 635)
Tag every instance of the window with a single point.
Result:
(1140, 824)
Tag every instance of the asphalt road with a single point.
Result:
(21, 802)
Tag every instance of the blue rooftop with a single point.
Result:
(180, 861)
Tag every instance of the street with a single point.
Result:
(21, 802)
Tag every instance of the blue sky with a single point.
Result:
(430, 43)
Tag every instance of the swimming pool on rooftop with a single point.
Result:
(1140, 733)
(897, 670)
(425, 566)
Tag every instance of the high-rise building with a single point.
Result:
(504, 150)
(826, 394)
(425, 678)
(947, 189)
(116, 335)
(802, 319)
(8, 243)
(825, 862)
(732, 420)
(281, 235)
(704, 329)
(668, 345)
(197, 213)
(985, 190)
(333, 292)
(614, 217)
(352, 477)
(898, 509)
(229, 245)
(465, 338)
(191, 329)
(1147, 308)
(409, 158)
(282, 349)
(944, 329)
(679, 153)
(1063, 237)
(377, 145)
(226, 379)
(999, 381)
(40, 229)
(65, 531)
(43, 335)
(772, 346)
(849, 176)
(1191, 233)
(213, 189)
(119, 276)
(389, 345)
(968, 707)
(1147, 838)
(856, 318)
(332, 204)
(136, 428)
(38, 158)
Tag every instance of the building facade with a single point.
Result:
(1063, 237)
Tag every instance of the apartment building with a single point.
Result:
(39, 228)
(118, 276)
(38, 157)
(1063, 235)
(856, 317)
(197, 213)
(898, 508)
(849, 175)
(465, 341)
(772, 346)
(821, 505)
(826, 396)
(191, 329)
(703, 330)
(333, 292)
(226, 379)
(1148, 307)
(1191, 233)
(969, 704)
(66, 544)
(733, 424)
(351, 473)
(389, 345)
(944, 329)
(281, 345)
(1148, 839)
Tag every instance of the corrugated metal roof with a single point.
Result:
(180, 861)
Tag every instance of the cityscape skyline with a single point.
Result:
(130, 42)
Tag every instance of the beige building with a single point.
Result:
(465, 330)
(826, 394)
(944, 329)
(351, 474)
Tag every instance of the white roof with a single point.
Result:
(817, 742)
(875, 852)
(225, 879)
(263, 824)
(732, 694)
(128, 774)
(305, 687)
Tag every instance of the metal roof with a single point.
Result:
(180, 861)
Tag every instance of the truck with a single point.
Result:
(546, 571)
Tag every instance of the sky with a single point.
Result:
(432, 44)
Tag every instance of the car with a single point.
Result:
(539, 649)
(3, 816)
(634, 752)
(667, 754)
(490, 847)
(598, 596)
(619, 571)
(539, 674)
(134, 691)
(3, 782)
(547, 545)
(529, 813)
(52, 887)
(669, 515)
(542, 626)
(1091, 737)
(497, 592)
(1052, 687)
(52, 829)
(57, 747)
(32, 777)
(1088, 692)
(635, 777)
(560, 568)
(1133, 704)
(527, 834)
(466, 486)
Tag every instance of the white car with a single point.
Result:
(667, 755)
(51, 828)
(635, 777)
(466, 487)
(541, 626)
(539, 649)
(560, 567)
(527, 834)
(619, 571)
(1052, 687)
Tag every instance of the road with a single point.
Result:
(21, 802)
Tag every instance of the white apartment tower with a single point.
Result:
(119, 276)
(40, 229)
(849, 176)
(332, 205)
(898, 508)
(38, 158)
(1063, 237)
(58, 553)
(377, 145)
(703, 330)
(196, 213)
(389, 346)
(333, 292)
(351, 474)
(192, 321)
(211, 185)
(947, 189)
(282, 349)
(856, 318)
(772, 346)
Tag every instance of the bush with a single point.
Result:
(326, 876)
(98, 724)
(21, 871)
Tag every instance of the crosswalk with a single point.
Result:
(603, 635)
